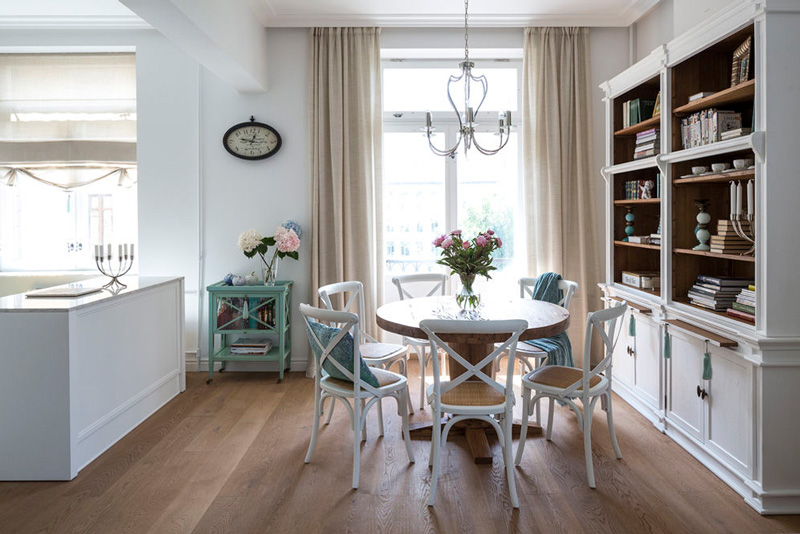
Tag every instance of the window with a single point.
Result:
(425, 195)
(67, 158)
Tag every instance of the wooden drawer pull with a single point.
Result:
(702, 334)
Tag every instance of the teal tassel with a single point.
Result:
(667, 345)
(632, 327)
(707, 364)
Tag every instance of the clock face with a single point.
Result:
(252, 140)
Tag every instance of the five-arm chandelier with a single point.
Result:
(466, 119)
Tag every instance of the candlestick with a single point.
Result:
(119, 251)
(733, 199)
(739, 198)
(131, 250)
(123, 265)
(125, 248)
(750, 198)
(508, 119)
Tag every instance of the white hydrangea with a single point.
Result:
(249, 239)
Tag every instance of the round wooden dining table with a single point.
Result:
(403, 317)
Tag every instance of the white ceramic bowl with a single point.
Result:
(719, 167)
(742, 163)
(699, 170)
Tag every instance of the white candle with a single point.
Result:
(119, 252)
(95, 252)
(750, 199)
(131, 250)
(428, 119)
(500, 118)
(508, 118)
(733, 198)
(109, 251)
(739, 198)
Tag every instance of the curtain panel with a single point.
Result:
(346, 145)
(560, 207)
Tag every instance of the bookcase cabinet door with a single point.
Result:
(648, 360)
(624, 362)
(730, 408)
(684, 407)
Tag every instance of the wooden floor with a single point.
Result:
(228, 457)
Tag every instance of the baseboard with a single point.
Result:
(193, 365)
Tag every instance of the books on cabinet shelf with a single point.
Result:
(634, 189)
(636, 110)
(744, 307)
(251, 345)
(648, 143)
(708, 126)
(716, 293)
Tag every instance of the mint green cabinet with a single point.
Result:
(236, 312)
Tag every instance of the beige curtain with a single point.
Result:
(556, 129)
(346, 161)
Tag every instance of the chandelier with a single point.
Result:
(466, 119)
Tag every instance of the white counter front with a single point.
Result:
(80, 373)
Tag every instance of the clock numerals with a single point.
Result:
(252, 140)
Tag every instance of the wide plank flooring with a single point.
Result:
(228, 457)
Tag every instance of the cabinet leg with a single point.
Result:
(210, 371)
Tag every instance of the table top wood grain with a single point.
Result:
(403, 317)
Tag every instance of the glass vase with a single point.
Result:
(269, 273)
(467, 299)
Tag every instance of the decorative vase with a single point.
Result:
(701, 231)
(269, 273)
(467, 299)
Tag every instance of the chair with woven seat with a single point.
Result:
(374, 352)
(420, 346)
(481, 398)
(334, 348)
(588, 384)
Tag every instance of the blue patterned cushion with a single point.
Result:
(342, 353)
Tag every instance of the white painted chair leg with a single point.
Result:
(357, 422)
(404, 415)
(611, 430)
(330, 411)
(550, 420)
(507, 450)
(523, 433)
(315, 429)
(587, 442)
(364, 428)
(408, 397)
(436, 460)
(422, 366)
(380, 420)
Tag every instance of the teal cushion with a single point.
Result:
(342, 353)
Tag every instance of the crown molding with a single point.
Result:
(630, 14)
(89, 22)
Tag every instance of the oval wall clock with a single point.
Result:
(252, 140)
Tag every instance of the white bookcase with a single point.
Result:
(742, 423)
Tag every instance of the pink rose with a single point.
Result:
(481, 241)
(490, 232)
(465, 244)
(447, 243)
(438, 241)
(498, 241)
(455, 232)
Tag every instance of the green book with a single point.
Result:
(635, 112)
(744, 308)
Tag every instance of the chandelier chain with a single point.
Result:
(466, 31)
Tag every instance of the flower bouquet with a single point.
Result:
(286, 242)
(467, 259)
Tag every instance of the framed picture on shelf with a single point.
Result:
(657, 106)
(741, 66)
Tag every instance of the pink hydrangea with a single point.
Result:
(287, 240)
(481, 241)
(465, 244)
(438, 241)
(447, 243)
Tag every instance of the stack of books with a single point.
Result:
(636, 110)
(251, 346)
(708, 126)
(635, 188)
(727, 241)
(648, 143)
(732, 134)
(744, 307)
(716, 292)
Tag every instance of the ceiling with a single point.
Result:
(384, 13)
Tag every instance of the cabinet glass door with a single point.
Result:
(246, 313)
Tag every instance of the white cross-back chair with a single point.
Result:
(374, 352)
(434, 284)
(569, 383)
(484, 398)
(363, 395)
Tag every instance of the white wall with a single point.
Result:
(167, 146)
(671, 18)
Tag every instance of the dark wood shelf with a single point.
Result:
(633, 201)
(653, 122)
(738, 93)
(709, 254)
(744, 174)
(637, 245)
(685, 301)
(716, 339)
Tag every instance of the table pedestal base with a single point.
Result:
(476, 432)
